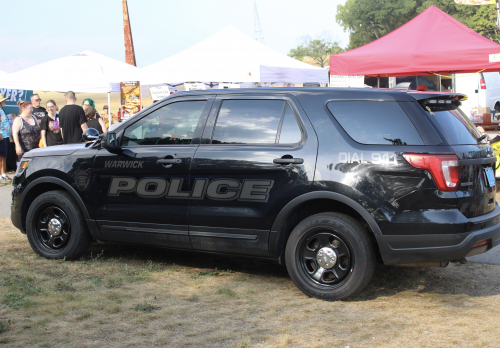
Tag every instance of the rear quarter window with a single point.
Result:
(375, 122)
(454, 127)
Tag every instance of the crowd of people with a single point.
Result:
(38, 126)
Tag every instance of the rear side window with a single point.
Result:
(455, 127)
(375, 122)
(248, 121)
(290, 130)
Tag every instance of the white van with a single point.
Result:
(482, 90)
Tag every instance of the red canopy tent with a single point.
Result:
(432, 42)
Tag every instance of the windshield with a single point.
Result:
(454, 126)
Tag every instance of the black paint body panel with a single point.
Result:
(411, 220)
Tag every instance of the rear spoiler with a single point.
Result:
(436, 95)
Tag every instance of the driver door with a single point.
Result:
(141, 195)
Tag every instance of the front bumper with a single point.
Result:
(402, 249)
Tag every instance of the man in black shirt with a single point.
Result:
(72, 120)
(38, 111)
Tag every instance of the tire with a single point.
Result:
(56, 228)
(330, 256)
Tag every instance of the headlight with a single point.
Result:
(22, 166)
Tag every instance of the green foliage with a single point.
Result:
(368, 20)
(5, 324)
(318, 49)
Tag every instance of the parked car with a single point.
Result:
(326, 181)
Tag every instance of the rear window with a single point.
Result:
(454, 126)
(375, 122)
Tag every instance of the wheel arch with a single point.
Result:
(280, 231)
(46, 184)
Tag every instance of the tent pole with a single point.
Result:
(498, 14)
(378, 81)
(109, 108)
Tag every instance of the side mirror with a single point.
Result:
(90, 134)
(109, 141)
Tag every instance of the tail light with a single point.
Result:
(482, 84)
(443, 168)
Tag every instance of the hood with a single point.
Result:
(58, 150)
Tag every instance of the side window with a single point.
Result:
(290, 130)
(248, 122)
(375, 122)
(170, 125)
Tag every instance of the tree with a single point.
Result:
(368, 20)
(319, 50)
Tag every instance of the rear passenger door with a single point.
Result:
(256, 155)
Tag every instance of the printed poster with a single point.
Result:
(131, 101)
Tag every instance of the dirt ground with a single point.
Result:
(128, 296)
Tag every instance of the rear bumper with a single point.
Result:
(398, 249)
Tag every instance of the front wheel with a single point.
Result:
(330, 256)
(56, 228)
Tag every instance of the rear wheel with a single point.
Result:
(56, 228)
(330, 256)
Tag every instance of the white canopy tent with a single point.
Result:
(3, 73)
(231, 56)
(84, 72)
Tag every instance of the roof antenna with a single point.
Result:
(259, 37)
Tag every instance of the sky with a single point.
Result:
(33, 32)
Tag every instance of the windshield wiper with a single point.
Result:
(482, 137)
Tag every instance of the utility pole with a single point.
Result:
(129, 44)
(259, 37)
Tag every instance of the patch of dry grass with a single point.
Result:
(119, 296)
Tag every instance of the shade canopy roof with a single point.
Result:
(432, 42)
(84, 72)
(231, 56)
(3, 73)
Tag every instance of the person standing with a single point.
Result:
(51, 131)
(72, 120)
(105, 116)
(93, 121)
(38, 111)
(5, 133)
(25, 130)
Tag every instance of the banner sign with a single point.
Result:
(131, 101)
(495, 58)
(14, 96)
(347, 81)
(475, 2)
(194, 86)
(159, 92)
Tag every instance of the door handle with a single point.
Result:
(169, 161)
(288, 161)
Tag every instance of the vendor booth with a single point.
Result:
(231, 56)
(431, 43)
(433, 49)
(84, 72)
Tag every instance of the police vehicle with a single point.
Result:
(326, 181)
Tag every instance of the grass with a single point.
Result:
(131, 296)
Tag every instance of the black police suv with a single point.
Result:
(324, 180)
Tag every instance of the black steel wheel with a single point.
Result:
(55, 226)
(330, 256)
(325, 258)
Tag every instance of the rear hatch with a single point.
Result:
(475, 187)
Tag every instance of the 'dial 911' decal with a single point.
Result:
(218, 189)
